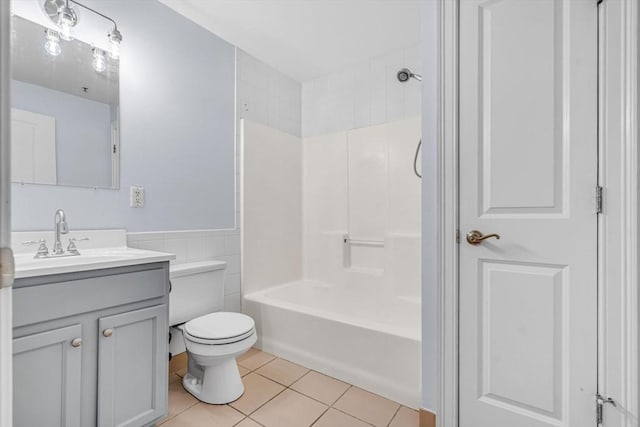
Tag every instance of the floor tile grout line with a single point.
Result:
(352, 416)
(295, 391)
(331, 405)
(184, 410)
(274, 396)
(276, 381)
(394, 416)
(305, 395)
(320, 416)
(248, 418)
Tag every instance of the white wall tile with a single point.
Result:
(232, 284)
(362, 95)
(196, 249)
(266, 96)
(178, 247)
(232, 303)
(215, 246)
(148, 245)
(232, 244)
(233, 263)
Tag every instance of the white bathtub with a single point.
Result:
(352, 333)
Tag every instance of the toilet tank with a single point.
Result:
(197, 289)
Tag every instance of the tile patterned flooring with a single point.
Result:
(279, 393)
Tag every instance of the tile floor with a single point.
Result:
(279, 393)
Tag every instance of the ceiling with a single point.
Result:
(306, 39)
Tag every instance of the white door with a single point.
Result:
(33, 147)
(528, 162)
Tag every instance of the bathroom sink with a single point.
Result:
(89, 259)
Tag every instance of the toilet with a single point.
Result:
(213, 338)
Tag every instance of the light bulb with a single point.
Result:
(67, 19)
(114, 51)
(115, 38)
(52, 45)
(99, 61)
(65, 32)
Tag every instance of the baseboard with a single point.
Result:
(427, 418)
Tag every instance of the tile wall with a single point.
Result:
(365, 94)
(201, 245)
(266, 96)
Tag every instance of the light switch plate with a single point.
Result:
(136, 197)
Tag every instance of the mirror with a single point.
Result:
(65, 114)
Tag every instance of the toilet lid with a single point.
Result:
(219, 326)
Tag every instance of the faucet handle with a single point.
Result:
(42, 251)
(72, 244)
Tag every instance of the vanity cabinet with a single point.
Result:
(90, 348)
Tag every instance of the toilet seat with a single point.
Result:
(219, 328)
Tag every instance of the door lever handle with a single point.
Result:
(475, 237)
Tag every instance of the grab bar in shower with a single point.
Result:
(350, 241)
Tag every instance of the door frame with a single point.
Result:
(618, 225)
(6, 256)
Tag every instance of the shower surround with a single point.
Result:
(331, 251)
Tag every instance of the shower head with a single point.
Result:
(405, 74)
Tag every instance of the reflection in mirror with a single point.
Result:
(65, 110)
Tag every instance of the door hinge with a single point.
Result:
(115, 148)
(457, 236)
(600, 401)
(599, 190)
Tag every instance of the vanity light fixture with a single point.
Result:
(65, 17)
(52, 45)
(99, 60)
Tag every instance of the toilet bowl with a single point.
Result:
(213, 342)
(213, 338)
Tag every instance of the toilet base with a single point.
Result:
(217, 384)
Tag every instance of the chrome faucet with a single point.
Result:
(61, 227)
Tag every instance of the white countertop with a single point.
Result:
(104, 249)
(90, 259)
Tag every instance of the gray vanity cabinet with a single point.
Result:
(90, 348)
(128, 358)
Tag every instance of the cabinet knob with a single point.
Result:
(76, 342)
(107, 332)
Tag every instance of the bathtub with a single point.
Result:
(352, 333)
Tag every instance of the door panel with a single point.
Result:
(520, 73)
(132, 358)
(528, 162)
(46, 379)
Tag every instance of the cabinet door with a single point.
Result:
(46, 378)
(132, 367)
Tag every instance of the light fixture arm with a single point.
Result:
(115, 26)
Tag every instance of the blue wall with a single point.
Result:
(83, 131)
(177, 106)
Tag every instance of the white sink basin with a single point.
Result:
(89, 259)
